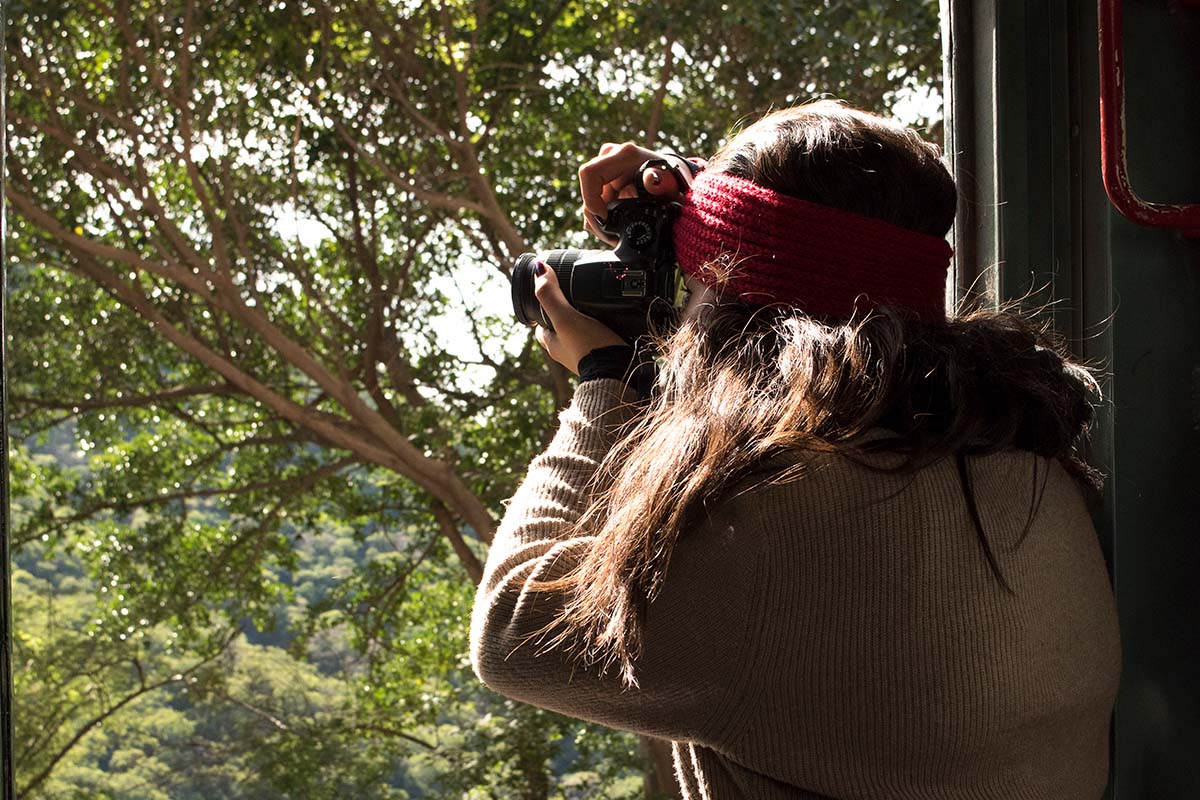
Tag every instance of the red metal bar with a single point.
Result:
(1113, 151)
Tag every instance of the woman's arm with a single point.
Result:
(696, 660)
(695, 664)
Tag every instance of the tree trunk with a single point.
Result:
(533, 761)
(659, 781)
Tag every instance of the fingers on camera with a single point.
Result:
(543, 289)
(545, 338)
(624, 147)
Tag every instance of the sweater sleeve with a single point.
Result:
(697, 631)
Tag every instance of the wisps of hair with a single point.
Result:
(742, 384)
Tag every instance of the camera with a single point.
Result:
(631, 288)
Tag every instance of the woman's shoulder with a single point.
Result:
(811, 508)
(875, 468)
(873, 449)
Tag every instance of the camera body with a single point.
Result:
(630, 288)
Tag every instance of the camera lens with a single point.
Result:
(525, 304)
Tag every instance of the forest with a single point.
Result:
(266, 393)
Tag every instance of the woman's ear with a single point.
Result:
(701, 294)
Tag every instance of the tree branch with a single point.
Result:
(90, 725)
(450, 531)
(446, 202)
(132, 401)
(367, 433)
(275, 721)
(408, 737)
(132, 297)
(660, 93)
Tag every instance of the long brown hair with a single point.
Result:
(741, 384)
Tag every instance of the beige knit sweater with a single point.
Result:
(840, 636)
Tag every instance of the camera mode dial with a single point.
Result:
(639, 234)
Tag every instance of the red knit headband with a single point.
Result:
(778, 248)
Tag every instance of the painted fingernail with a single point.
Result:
(541, 268)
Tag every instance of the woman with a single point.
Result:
(843, 551)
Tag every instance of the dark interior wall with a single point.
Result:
(1035, 222)
(1154, 515)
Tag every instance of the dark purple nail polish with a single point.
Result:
(541, 268)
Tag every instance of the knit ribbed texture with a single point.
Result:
(840, 636)
(829, 262)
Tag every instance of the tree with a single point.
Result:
(86, 675)
(241, 231)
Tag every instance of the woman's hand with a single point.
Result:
(575, 334)
(610, 176)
